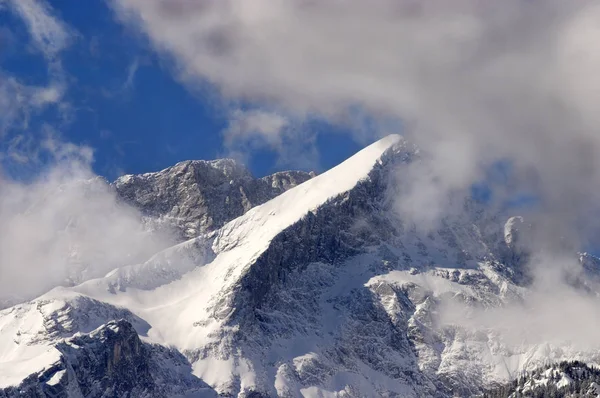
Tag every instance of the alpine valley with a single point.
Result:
(293, 285)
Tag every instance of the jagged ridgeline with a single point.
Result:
(567, 379)
(286, 286)
(197, 196)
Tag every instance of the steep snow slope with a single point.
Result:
(28, 331)
(191, 313)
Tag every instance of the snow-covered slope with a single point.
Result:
(176, 308)
(196, 313)
(320, 291)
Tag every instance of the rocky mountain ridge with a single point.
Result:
(197, 196)
(90, 227)
(112, 361)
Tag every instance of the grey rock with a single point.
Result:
(195, 197)
(112, 361)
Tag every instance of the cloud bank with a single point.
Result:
(472, 82)
(65, 226)
(48, 33)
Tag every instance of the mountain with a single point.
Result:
(561, 380)
(197, 196)
(111, 361)
(323, 290)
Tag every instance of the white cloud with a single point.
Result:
(131, 71)
(245, 125)
(49, 34)
(249, 130)
(471, 81)
(65, 226)
(10, 100)
(47, 95)
(18, 102)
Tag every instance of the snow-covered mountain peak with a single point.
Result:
(289, 207)
(239, 243)
(228, 168)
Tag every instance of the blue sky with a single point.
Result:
(122, 99)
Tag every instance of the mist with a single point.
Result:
(66, 226)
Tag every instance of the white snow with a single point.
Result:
(436, 285)
(124, 179)
(511, 229)
(37, 359)
(20, 326)
(258, 226)
(56, 377)
(594, 389)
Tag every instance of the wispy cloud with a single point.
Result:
(21, 101)
(47, 95)
(123, 90)
(18, 102)
(251, 130)
(48, 33)
(45, 150)
(246, 125)
(131, 71)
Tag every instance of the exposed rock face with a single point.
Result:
(195, 197)
(515, 250)
(112, 361)
(512, 229)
